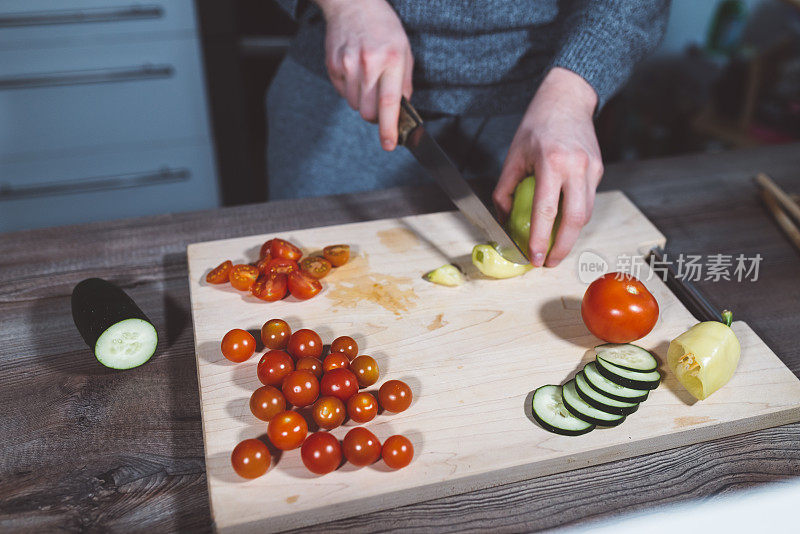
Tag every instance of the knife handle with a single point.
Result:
(408, 122)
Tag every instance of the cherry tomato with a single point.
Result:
(283, 249)
(305, 343)
(338, 255)
(618, 308)
(300, 388)
(366, 370)
(397, 451)
(394, 396)
(262, 264)
(310, 364)
(345, 344)
(287, 430)
(361, 447)
(275, 334)
(270, 287)
(250, 458)
(266, 402)
(221, 273)
(329, 412)
(321, 453)
(265, 249)
(281, 266)
(335, 360)
(302, 286)
(243, 276)
(238, 345)
(315, 266)
(340, 383)
(362, 407)
(274, 367)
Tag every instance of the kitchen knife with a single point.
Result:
(412, 135)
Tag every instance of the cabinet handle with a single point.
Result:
(81, 16)
(97, 183)
(78, 77)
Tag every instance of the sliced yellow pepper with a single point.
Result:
(491, 263)
(705, 357)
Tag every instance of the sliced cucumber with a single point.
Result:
(582, 410)
(611, 389)
(126, 344)
(602, 402)
(627, 356)
(627, 378)
(549, 411)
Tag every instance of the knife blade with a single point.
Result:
(434, 160)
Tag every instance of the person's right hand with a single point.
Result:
(369, 60)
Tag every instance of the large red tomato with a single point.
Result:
(618, 308)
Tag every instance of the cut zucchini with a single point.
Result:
(611, 389)
(582, 410)
(627, 378)
(549, 411)
(602, 402)
(627, 356)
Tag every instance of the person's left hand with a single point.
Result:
(556, 142)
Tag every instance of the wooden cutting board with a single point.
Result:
(472, 356)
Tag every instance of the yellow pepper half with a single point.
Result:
(491, 263)
(705, 357)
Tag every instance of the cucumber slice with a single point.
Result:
(611, 389)
(600, 401)
(126, 344)
(626, 378)
(549, 411)
(582, 410)
(627, 356)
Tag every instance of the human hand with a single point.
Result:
(557, 142)
(369, 60)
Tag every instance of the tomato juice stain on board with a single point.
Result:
(353, 283)
(681, 422)
(437, 322)
(398, 240)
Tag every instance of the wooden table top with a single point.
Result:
(86, 447)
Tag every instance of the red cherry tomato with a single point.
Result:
(275, 334)
(310, 364)
(287, 430)
(243, 276)
(265, 249)
(335, 360)
(338, 255)
(302, 286)
(394, 396)
(618, 308)
(315, 266)
(238, 345)
(301, 388)
(361, 447)
(329, 412)
(345, 344)
(250, 458)
(397, 451)
(321, 453)
(366, 370)
(221, 273)
(283, 249)
(362, 407)
(339, 383)
(266, 402)
(305, 343)
(270, 287)
(274, 367)
(281, 266)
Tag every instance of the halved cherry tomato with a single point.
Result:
(281, 266)
(303, 286)
(281, 248)
(315, 266)
(221, 273)
(261, 264)
(338, 255)
(265, 249)
(243, 276)
(270, 287)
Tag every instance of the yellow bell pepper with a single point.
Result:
(491, 263)
(705, 357)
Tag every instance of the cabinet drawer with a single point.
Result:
(70, 98)
(26, 23)
(104, 186)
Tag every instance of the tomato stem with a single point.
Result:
(727, 317)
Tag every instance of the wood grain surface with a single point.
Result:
(473, 356)
(94, 449)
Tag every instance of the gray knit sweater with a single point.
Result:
(484, 57)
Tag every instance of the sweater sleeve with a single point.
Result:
(602, 40)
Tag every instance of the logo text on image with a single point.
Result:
(591, 266)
